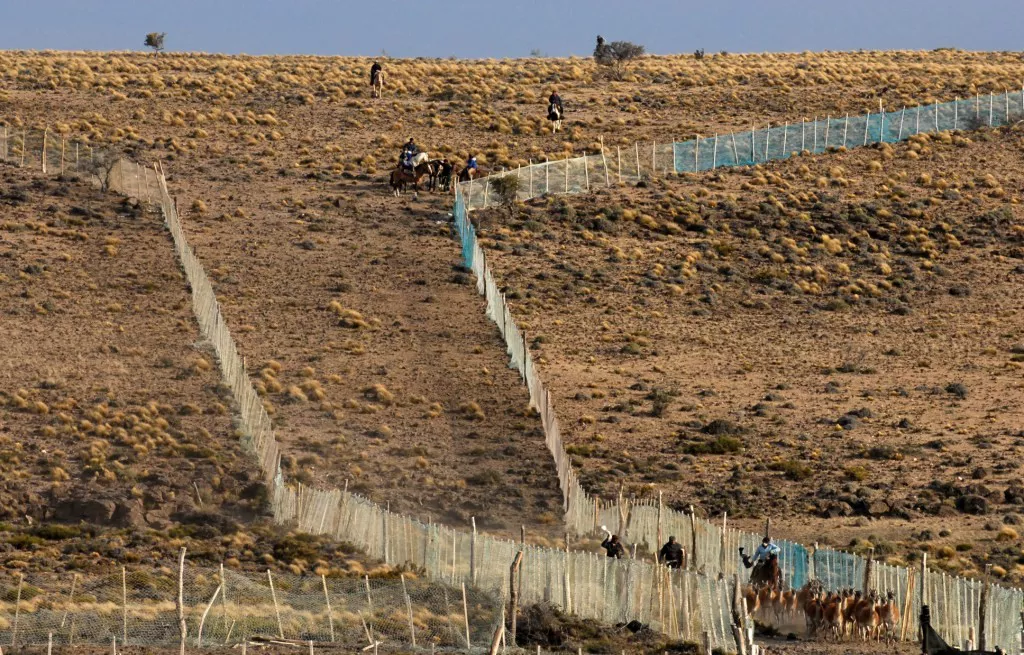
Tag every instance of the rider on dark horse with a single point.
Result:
(555, 102)
(409, 151)
(765, 554)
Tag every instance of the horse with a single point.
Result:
(400, 177)
(444, 176)
(467, 174)
(766, 573)
(377, 84)
(420, 158)
(435, 174)
(555, 116)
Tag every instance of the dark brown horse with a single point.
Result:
(767, 573)
(400, 177)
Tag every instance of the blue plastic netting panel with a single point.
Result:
(757, 146)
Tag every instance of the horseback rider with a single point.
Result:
(672, 554)
(471, 166)
(766, 550)
(374, 71)
(409, 151)
(555, 101)
(765, 553)
(613, 546)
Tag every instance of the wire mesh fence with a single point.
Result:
(226, 607)
(758, 146)
(712, 549)
(681, 603)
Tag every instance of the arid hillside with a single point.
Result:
(116, 440)
(834, 337)
(371, 345)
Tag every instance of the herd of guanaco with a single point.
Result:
(836, 614)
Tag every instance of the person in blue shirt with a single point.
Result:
(764, 551)
(471, 166)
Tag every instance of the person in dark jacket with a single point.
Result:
(409, 151)
(555, 101)
(613, 547)
(555, 111)
(374, 70)
(672, 554)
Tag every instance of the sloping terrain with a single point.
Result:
(831, 336)
(116, 441)
(279, 162)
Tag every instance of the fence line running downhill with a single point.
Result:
(713, 548)
(683, 604)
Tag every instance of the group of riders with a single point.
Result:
(442, 171)
(765, 562)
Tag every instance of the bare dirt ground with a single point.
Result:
(278, 164)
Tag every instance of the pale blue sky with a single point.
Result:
(509, 28)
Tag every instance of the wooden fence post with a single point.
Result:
(565, 576)
(868, 566)
(983, 611)
(513, 587)
(604, 161)
(408, 608)
(499, 634)
(661, 532)
(124, 606)
(369, 605)
(738, 611)
(330, 613)
(181, 599)
(721, 561)
(924, 576)
(472, 551)
(465, 614)
(693, 540)
(907, 603)
(277, 610)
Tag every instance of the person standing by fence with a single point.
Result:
(672, 554)
(613, 547)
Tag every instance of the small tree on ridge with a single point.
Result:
(617, 54)
(155, 40)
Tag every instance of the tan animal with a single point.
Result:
(832, 615)
(852, 601)
(889, 617)
(866, 617)
(751, 600)
(809, 600)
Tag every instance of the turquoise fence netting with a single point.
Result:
(958, 598)
(783, 141)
